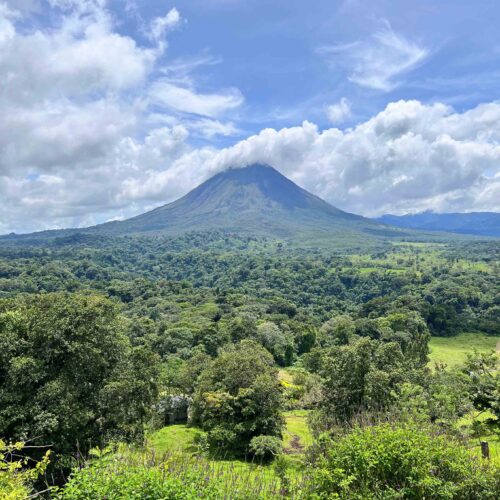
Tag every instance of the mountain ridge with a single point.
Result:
(473, 223)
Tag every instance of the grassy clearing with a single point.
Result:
(182, 439)
(174, 438)
(453, 350)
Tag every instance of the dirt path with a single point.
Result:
(295, 446)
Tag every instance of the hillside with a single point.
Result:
(476, 223)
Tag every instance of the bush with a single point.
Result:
(399, 462)
(265, 447)
(15, 477)
(137, 476)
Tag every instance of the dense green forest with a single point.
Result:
(213, 365)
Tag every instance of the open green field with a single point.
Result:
(174, 438)
(453, 350)
(181, 438)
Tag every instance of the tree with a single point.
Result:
(239, 397)
(361, 376)
(59, 355)
(242, 328)
(411, 332)
(336, 331)
(484, 381)
(127, 399)
(280, 344)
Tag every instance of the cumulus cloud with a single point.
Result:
(380, 62)
(339, 112)
(76, 127)
(89, 132)
(409, 157)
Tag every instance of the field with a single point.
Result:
(182, 439)
(453, 350)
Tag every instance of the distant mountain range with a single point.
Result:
(476, 223)
(254, 200)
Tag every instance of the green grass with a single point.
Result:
(494, 444)
(467, 421)
(297, 435)
(174, 438)
(181, 438)
(453, 350)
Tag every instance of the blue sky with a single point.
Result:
(112, 107)
(291, 58)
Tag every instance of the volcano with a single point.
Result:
(254, 200)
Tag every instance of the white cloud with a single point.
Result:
(208, 128)
(174, 97)
(409, 157)
(380, 62)
(339, 112)
(75, 129)
(161, 25)
(88, 133)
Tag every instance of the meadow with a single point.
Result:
(453, 351)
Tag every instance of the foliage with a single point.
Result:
(138, 476)
(399, 462)
(102, 338)
(238, 398)
(362, 376)
(482, 370)
(265, 447)
(16, 478)
(67, 373)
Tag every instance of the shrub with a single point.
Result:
(239, 397)
(265, 447)
(399, 462)
(15, 477)
(137, 476)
